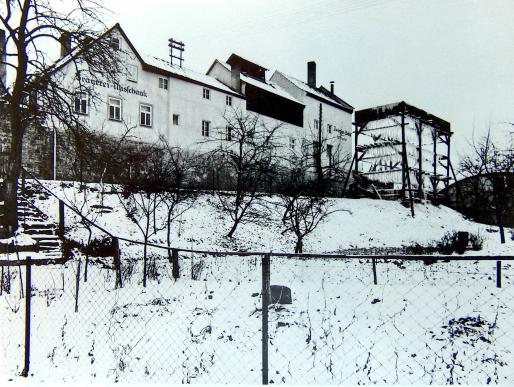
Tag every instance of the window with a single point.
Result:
(132, 73)
(81, 103)
(292, 143)
(115, 43)
(114, 109)
(228, 100)
(229, 133)
(329, 154)
(205, 128)
(145, 114)
(175, 119)
(163, 83)
(206, 93)
(329, 128)
(316, 124)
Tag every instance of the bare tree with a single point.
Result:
(304, 206)
(142, 196)
(177, 193)
(38, 92)
(490, 162)
(246, 149)
(93, 153)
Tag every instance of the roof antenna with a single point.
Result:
(175, 45)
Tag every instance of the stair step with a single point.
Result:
(48, 244)
(39, 234)
(45, 236)
(38, 225)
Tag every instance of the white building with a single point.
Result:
(155, 98)
(310, 113)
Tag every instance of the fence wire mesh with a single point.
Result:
(441, 323)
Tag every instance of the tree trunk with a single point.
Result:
(13, 173)
(144, 263)
(298, 249)
(168, 236)
(233, 229)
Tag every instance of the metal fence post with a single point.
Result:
(374, 261)
(61, 218)
(28, 296)
(117, 262)
(498, 274)
(175, 269)
(265, 303)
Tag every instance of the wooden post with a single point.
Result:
(420, 162)
(28, 296)
(404, 156)
(175, 269)
(117, 262)
(60, 229)
(77, 287)
(434, 182)
(374, 262)
(265, 302)
(498, 274)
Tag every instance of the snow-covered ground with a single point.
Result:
(442, 323)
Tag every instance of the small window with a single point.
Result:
(132, 73)
(206, 93)
(114, 109)
(81, 103)
(228, 100)
(316, 124)
(205, 128)
(163, 83)
(329, 128)
(175, 119)
(145, 114)
(292, 143)
(115, 43)
(228, 136)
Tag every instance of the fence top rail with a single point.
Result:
(280, 254)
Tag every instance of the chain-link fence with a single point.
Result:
(442, 323)
(328, 322)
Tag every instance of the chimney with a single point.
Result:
(235, 80)
(3, 65)
(311, 74)
(332, 87)
(65, 40)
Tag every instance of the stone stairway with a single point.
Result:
(36, 224)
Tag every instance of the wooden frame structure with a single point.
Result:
(405, 149)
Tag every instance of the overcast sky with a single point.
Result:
(453, 58)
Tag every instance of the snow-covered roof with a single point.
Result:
(316, 92)
(183, 72)
(270, 87)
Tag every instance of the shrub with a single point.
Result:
(100, 248)
(447, 243)
(127, 270)
(151, 269)
(476, 241)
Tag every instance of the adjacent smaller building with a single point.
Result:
(403, 149)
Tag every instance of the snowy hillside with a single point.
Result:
(358, 223)
(420, 324)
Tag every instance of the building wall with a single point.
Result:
(181, 97)
(340, 138)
